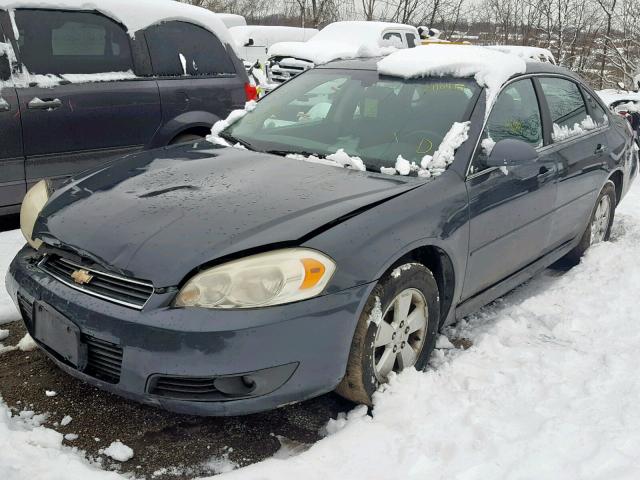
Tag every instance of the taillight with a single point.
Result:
(251, 92)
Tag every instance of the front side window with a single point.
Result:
(515, 115)
(411, 40)
(569, 114)
(373, 117)
(62, 42)
(180, 48)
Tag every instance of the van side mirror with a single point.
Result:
(249, 43)
(511, 152)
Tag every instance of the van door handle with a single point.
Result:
(601, 148)
(46, 104)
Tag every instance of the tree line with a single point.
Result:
(599, 39)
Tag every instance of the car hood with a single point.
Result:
(159, 215)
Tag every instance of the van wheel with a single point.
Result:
(599, 228)
(186, 137)
(396, 330)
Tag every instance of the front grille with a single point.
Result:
(114, 288)
(184, 388)
(284, 69)
(104, 359)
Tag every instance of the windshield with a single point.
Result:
(374, 117)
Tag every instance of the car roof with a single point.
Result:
(533, 67)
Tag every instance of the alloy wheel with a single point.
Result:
(600, 220)
(401, 333)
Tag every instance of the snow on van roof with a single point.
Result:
(612, 95)
(133, 14)
(232, 19)
(341, 40)
(490, 68)
(525, 52)
(265, 35)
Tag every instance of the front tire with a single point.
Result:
(599, 228)
(397, 329)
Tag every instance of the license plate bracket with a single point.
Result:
(59, 334)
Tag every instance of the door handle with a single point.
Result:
(601, 148)
(46, 104)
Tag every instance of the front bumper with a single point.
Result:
(294, 351)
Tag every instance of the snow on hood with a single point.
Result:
(340, 40)
(490, 68)
(133, 14)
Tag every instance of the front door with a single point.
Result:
(510, 208)
(80, 102)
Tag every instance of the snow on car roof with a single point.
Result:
(133, 14)
(490, 68)
(341, 40)
(266, 35)
(611, 95)
(527, 53)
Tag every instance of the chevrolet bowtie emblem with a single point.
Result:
(81, 276)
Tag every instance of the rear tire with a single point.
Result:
(391, 334)
(599, 228)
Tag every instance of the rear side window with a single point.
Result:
(180, 48)
(566, 105)
(394, 38)
(597, 112)
(61, 42)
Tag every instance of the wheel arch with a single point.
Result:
(617, 177)
(441, 266)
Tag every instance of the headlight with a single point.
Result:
(261, 280)
(33, 203)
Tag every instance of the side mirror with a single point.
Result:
(249, 43)
(511, 152)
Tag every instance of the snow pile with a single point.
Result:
(526, 53)
(562, 132)
(266, 35)
(133, 15)
(339, 159)
(340, 40)
(443, 157)
(490, 68)
(10, 243)
(66, 420)
(610, 96)
(118, 451)
(220, 125)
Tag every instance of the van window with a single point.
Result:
(394, 38)
(61, 42)
(180, 48)
(411, 40)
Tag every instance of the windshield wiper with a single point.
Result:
(284, 153)
(230, 138)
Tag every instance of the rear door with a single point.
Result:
(12, 184)
(510, 209)
(80, 101)
(580, 147)
(198, 80)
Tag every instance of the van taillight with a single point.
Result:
(251, 92)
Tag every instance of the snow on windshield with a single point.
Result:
(490, 68)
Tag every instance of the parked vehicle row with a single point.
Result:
(80, 85)
(222, 280)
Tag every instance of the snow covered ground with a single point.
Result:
(548, 390)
